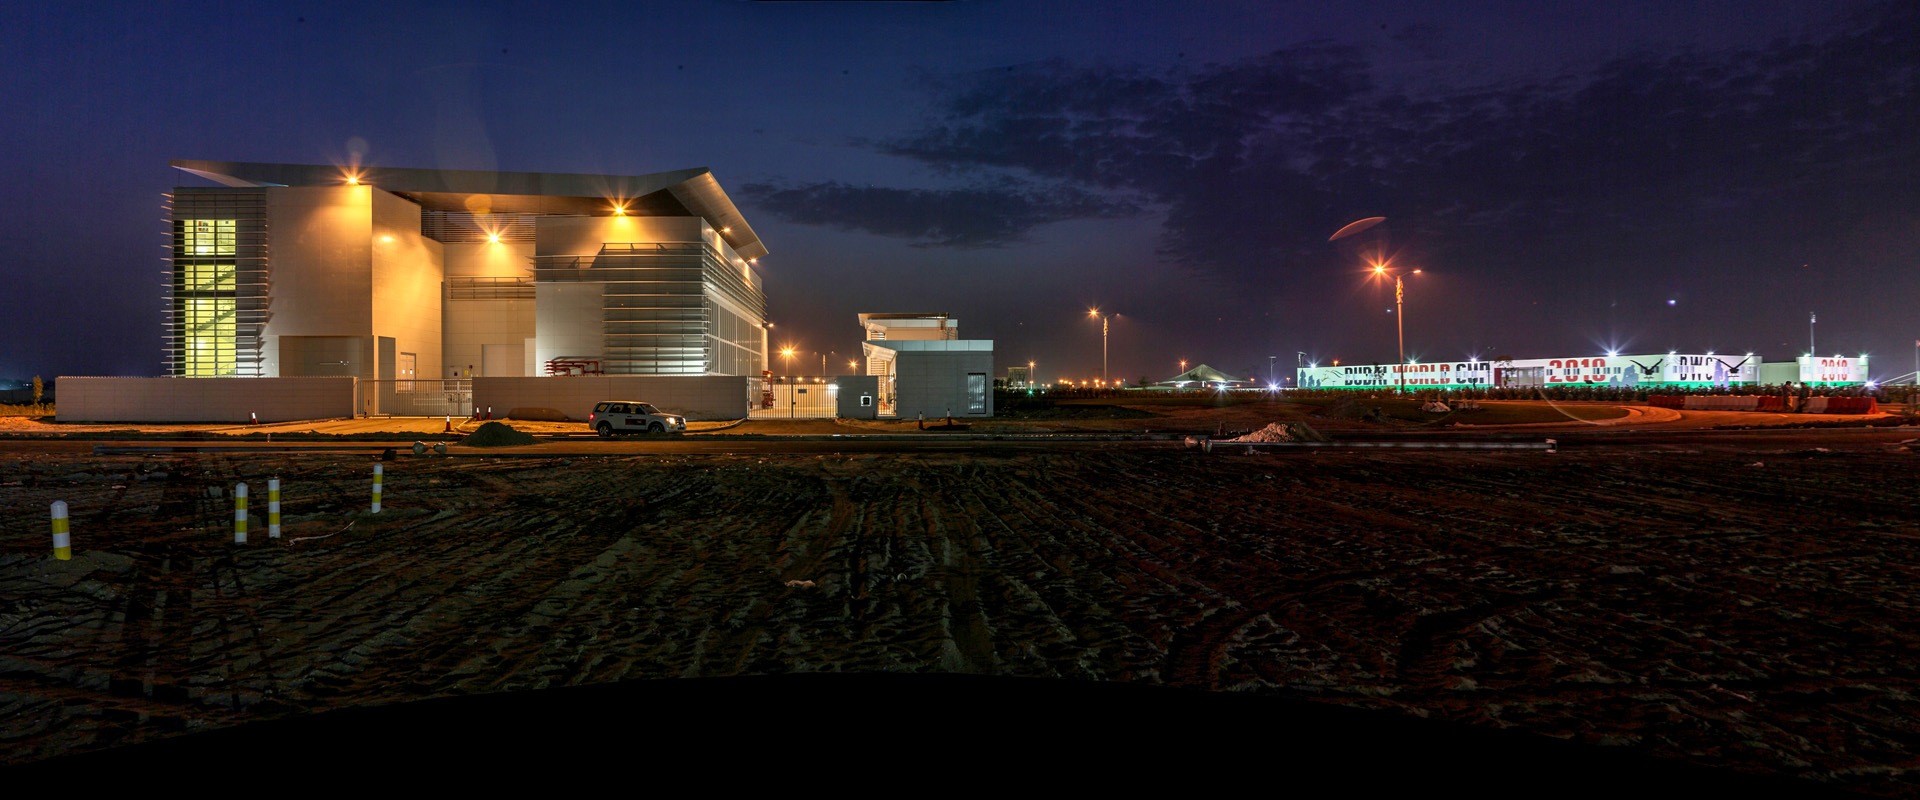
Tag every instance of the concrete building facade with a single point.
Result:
(411, 278)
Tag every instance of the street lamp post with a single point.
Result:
(1029, 377)
(788, 353)
(1399, 319)
(1400, 325)
(1094, 312)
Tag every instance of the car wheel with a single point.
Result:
(656, 428)
(606, 430)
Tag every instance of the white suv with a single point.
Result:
(612, 417)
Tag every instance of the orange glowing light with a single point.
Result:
(726, 230)
(619, 210)
(494, 238)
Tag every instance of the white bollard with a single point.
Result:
(378, 471)
(273, 508)
(62, 543)
(240, 513)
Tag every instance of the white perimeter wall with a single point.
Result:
(712, 397)
(203, 399)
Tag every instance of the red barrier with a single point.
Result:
(1768, 403)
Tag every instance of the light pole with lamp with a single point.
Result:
(1095, 313)
(1029, 377)
(788, 353)
(1399, 317)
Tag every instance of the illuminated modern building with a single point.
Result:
(402, 275)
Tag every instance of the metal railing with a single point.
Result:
(414, 398)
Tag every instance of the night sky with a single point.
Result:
(1647, 176)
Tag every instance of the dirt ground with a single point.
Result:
(1074, 417)
(1734, 607)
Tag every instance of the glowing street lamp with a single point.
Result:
(1380, 270)
(1095, 314)
(788, 353)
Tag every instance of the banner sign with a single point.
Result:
(1833, 370)
(1662, 369)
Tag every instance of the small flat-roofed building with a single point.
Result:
(923, 368)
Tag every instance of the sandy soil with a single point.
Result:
(1751, 609)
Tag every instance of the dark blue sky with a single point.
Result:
(1560, 175)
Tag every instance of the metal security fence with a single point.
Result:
(798, 398)
(415, 398)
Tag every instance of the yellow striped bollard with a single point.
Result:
(378, 471)
(62, 543)
(240, 513)
(273, 508)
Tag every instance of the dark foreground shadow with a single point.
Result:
(918, 732)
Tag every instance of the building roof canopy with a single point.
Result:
(683, 192)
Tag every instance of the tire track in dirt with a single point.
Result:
(1615, 596)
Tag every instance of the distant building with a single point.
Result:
(1017, 376)
(923, 368)
(1203, 377)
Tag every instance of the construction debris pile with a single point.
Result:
(1283, 432)
(497, 434)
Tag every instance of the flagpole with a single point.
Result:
(1813, 350)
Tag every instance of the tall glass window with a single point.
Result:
(204, 266)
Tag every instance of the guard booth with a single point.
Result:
(859, 396)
